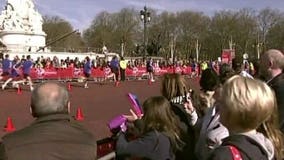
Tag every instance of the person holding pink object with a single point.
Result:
(160, 137)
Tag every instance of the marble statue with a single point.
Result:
(20, 15)
(21, 26)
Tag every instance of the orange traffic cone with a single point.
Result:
(9, 127)
(69, 87)
(79, 115)
(19, 91)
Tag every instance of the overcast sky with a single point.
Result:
(80, 13)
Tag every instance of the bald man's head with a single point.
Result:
(271, 60)
(49, 98)
(276, 57)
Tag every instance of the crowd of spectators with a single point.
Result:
(235, 115)
(55, 62)
(238, 113)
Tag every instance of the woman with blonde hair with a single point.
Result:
(160, 134)
(270, 129)
(245, 105)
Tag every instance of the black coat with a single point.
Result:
(187, 133)
(277, 84)
(248, 148)
(153, 145)
(53, 137)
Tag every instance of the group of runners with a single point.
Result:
(16, 71)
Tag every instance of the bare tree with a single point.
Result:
(267, 18)
(55, 27)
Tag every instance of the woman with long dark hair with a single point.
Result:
(177, 91)
(160, 133)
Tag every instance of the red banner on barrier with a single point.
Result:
(52, 73)
(228, 55)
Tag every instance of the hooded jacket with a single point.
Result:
(251, 147)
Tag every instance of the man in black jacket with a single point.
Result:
(53, 135)
(271, 66)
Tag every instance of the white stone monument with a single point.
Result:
(21, 27)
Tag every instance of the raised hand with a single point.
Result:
(132, 117)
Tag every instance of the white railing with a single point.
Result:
(109, 156)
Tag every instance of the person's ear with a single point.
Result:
(270, 63)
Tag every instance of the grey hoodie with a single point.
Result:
(251, 146)
(264, 142)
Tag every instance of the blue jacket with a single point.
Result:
(88, 67)
(6, 65)
(27, 65)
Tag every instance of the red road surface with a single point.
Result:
(99, 103)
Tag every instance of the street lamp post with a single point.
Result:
(145, 18)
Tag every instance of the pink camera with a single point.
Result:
(116, 123)
(135, 104)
